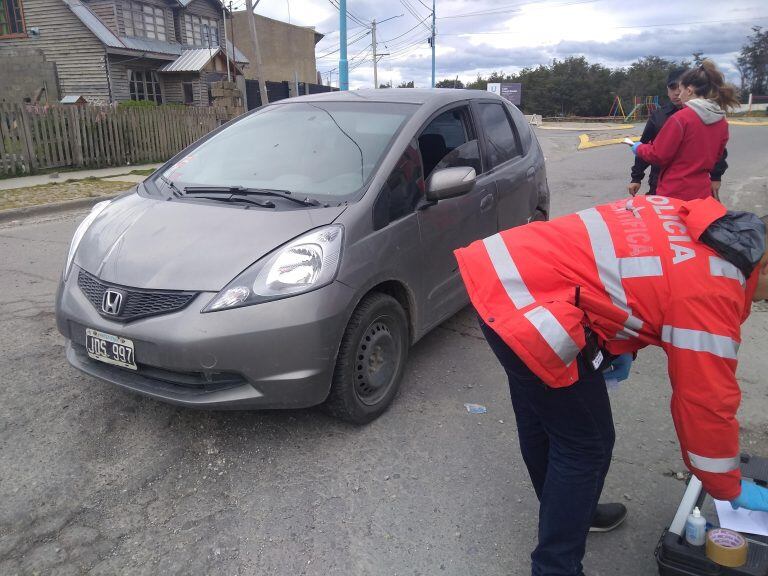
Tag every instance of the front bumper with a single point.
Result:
(277, 354)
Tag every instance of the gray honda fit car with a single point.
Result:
(291, 257)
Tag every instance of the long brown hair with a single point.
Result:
(708, 82)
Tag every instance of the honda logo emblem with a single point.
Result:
(112, 302)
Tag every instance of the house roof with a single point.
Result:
(190, 60)
(157, 47)
(93, 23)
(193, 60)
(73, 99)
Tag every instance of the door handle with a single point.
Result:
(486, 203)
(530, 173)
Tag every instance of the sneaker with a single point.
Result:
(608, 516)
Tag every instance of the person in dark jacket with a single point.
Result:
(653, 127)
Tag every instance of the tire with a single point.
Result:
(540, 216)
(371, 360)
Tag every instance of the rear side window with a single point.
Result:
(501, 143)
(523, 128)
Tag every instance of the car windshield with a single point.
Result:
(307, 149)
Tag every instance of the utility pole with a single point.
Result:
(258, 68)
(226, 42)
(343, 63)
(433, 43)
(375, 54)
(232, 29)
(375, 62)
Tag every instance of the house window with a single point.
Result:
(144, 21)
(144, 85)
(189, 93)
(11, 18)
(201, 31)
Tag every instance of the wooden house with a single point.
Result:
(165, 51)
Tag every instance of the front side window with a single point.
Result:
(501, 142)
(144, 85)
(403, 189)
(201, 31)
(448, 141)
(11, 18)
(318, 149)
(145, 21)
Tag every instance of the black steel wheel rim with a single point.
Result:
(376, 362)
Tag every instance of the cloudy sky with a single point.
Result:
(479, 36)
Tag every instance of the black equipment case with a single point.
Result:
(676, 557)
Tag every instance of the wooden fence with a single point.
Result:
(34, 138)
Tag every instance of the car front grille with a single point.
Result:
(136, 303)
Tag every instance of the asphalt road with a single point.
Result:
(95, 480)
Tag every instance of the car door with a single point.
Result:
(511, 166)
(450, 139)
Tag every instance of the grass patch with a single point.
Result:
(146, 172)
(58, 192)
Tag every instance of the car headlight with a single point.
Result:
(80, 232)
(307, 263)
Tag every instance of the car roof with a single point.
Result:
(431, 96)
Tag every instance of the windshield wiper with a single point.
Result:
(243, 191)
(235, 198)
(172, 186)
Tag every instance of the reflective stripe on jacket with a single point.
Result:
(643, 278)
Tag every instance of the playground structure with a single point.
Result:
(642, 107)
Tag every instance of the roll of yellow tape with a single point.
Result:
(726, 547)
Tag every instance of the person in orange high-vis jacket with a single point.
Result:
(565, 304)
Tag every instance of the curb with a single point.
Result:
(745, 123)
(43, 209)
(585, 142)
(581, 128)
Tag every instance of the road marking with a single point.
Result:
(745, 123)
(585, 142)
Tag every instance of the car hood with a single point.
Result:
(180, 245)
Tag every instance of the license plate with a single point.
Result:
(110, 348)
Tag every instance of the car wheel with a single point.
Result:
(371, 360)
(539, 216)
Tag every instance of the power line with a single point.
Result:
(694, 22)
(416, 34)
(401, 51)
(421, 38)
(353, 41)
(406, 32)
(414, 13)
(361, 62)
(512, 8)
(335, 4)
(629, 27)
(411, 9)
(356, 56)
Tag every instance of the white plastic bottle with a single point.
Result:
(696, 528)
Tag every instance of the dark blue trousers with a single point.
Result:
(566, 439)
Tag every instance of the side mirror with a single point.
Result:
(450, 182)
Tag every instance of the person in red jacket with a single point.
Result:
(692, 141)
(642, 271)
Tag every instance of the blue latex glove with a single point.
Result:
(619, 369)
(635, 146)
(752, 497)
